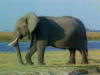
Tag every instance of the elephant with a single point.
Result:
(64, 32)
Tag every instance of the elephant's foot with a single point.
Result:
(41, 63)
(85, 62)
(29, 63)
(70, 62)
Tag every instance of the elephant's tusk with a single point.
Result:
(13, 42)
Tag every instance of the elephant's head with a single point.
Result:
(24, 27)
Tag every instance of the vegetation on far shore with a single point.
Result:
(6, 36)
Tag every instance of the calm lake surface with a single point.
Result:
(92, 45)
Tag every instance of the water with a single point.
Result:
(92, 45)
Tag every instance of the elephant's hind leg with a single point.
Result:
(84, 57)
(72, 56)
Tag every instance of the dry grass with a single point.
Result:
(93, 35)
(5, 36)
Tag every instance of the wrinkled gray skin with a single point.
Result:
(61, 32)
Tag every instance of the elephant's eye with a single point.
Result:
(21, 36)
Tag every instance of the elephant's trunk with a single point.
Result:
(19, 54)
(16, 45)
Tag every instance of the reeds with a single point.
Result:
(5, 36)
(93, 35)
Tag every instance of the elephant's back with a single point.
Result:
(67, 24)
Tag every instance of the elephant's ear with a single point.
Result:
(32, 21)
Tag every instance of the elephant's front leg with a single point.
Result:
(29, 54)
(41, 49)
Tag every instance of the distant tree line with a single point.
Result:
(87, 29)
(92, 30)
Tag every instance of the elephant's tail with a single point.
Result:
(84, 36)
(86, 50)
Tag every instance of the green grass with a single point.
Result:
(55, 60)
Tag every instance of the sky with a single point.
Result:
(88, 11)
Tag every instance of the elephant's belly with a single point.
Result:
(65, 43)
(61, 43)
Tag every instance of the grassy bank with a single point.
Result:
(55, 61)
(6, 36)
